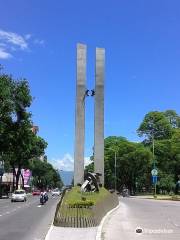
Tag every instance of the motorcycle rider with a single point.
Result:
(43, 197)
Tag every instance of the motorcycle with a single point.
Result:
(42, 199)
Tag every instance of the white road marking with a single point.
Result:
(0, 215)
(39, 206)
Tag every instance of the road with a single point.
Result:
(26, 221)
(159, 220)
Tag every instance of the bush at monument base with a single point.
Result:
(86, 203)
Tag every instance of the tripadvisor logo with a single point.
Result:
(153, 231)
(139, 230)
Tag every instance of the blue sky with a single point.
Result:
(142, 41)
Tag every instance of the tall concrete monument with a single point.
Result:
(99, 114)
(81, 93)
(80, 115)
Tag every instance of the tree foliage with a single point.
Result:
(44, 175)
(135, 160)
(132, 160)
(155, 125)
(18, 144)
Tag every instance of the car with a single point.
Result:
(56, 192)
(36, 192)
(19, 196)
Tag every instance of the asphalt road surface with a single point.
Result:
(159, 220)
(26, 221)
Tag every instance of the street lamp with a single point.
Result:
(154, 171)
(153, 151)
(115, 161)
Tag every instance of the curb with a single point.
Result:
(49, 232)
(99, 230)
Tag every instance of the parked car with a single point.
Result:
(36, 192)
(19, 196)
(56, 192)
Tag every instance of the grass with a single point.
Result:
(168, 197)
(75, 195)
(163, 197)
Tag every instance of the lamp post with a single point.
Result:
(153, 151)
(154, 174)
(115, 161)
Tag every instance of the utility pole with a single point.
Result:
(115, 162)
(115, 166)
(154, 167)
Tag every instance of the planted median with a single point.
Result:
(78, 209)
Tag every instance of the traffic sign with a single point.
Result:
(154, 172)
(154, 179)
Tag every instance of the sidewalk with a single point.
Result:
(65, 233)
(143, 196)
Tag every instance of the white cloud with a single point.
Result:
(39, 41)
(66, 163)
(13, 38)
(4, 54)
(11, 42)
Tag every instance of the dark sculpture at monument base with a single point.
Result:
(91, 183)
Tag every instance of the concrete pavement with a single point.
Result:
(29, 220)
(64, 233)
(159, 220)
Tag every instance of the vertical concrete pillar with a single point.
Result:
(99, 114)
(80, 115)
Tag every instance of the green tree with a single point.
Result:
(44, 175)
(175, 153)
(163, 129)
(18, 144)
(173, 118)
(6, 110)
(155, 125)
(133, 160)
(166, 182)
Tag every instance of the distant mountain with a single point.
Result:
(66, 177)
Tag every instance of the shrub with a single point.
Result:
(175, 198)
(80, 203)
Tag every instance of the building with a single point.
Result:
(35, 129)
